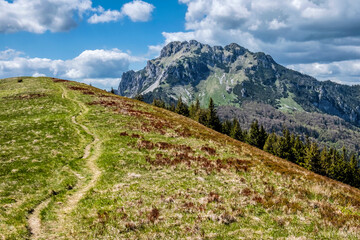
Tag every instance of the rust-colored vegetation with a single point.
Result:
(182, 154)
(154, 215)
(209, 150)
(27, 96)
(59, 80)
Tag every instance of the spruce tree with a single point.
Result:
(282, 150)
(226, 127)
(236, 131)
(212, 120)
(172, 107)
(158, 103)
(353, 171)
(332, 169)
(312, 158)
(298, 150)
(254, 134)
(262, 137)
(139, 97)
(182, 108)
(341, 165)
(194, 110)
(325, 162)
(270, 144)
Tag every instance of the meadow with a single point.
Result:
(86, 164)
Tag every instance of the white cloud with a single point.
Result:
(98, 64)
(154, 50)
(340, 71)
(103, 67)
(38, 16)
(38, 75)
(137, 11)
(105, 16)
(9, 53)
(105, 82)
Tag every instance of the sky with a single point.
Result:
(95, 41)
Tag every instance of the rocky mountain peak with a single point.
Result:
(177, 46)
(235, 49)
(232, 75)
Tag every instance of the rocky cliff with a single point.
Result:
(248, 86)
(232, 75)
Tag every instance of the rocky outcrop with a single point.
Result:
(232, 75)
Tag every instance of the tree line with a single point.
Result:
(340, 165)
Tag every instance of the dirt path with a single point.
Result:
(34, 219)
(91, 152)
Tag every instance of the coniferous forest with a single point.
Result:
(340, 165)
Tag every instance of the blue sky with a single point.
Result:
(94, 41)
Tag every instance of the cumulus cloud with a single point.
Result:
(105, 16)
(137, 11)
(9, 53)
(38, 16)
(340, 71)
(101, 66)
(293, 32)
(98, 64)
(105, 82)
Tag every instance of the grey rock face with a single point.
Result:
(188, 69)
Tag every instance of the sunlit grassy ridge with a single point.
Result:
(39, 149)
(163, 175)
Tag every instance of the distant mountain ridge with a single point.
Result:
(232, 76)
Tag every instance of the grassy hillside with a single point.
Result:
(79, 163)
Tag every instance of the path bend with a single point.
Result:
(91, 153)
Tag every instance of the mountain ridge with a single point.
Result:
(232, 76)
(183, 63)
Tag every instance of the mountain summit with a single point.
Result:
(236, 77)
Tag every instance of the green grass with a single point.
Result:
(289, 105)
(163, 176)
(39, 149)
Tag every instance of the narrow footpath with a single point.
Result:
(91, 153)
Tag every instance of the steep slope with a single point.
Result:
(161, 175)
(232, 76)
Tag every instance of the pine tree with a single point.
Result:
(182, 108)
(212, 120)
(262, 137)
(282, 150)
(341, 165)
(158, 103)
(298, 150)
(202, 117)
(194, 110)
(171, 107)
(312, 158)
(325, 162)
(226, 127)
(270, 144)
(254, 134)
(353, 176)
(236, 131)
(332, 170)
(139, 97)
